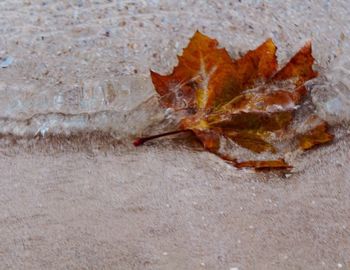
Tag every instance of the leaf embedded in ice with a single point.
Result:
(245, 101)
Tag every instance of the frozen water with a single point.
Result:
(86, 66)
(332, 96)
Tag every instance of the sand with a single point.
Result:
(95, 202)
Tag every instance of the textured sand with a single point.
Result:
(171, 208)
(96, 203)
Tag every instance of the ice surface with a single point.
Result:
(332, 96)
(86, 66)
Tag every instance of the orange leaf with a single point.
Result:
(245, 100)
(204, 71)
(259, 64)
(255, 66)
(299, 67)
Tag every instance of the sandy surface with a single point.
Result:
(98, 203)
(172, 208)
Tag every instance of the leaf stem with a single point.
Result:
(142, 140)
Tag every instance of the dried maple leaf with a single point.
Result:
(245, 100)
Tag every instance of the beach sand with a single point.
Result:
(80, 201)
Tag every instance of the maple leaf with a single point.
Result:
(245, 100)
